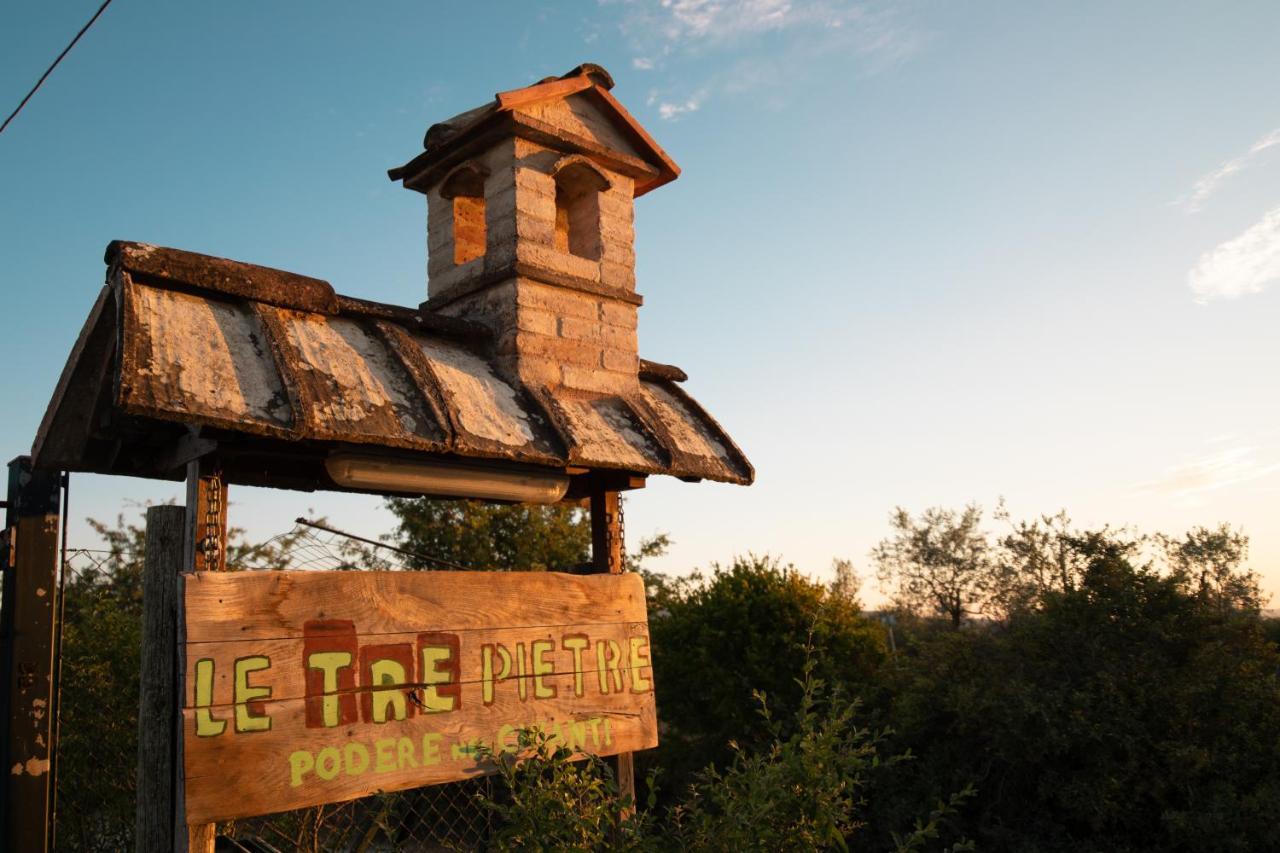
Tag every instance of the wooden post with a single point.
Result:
(206, 537)
(607, 551)
(29, 621)
(206, 551)
(606, 541)
(159, 728)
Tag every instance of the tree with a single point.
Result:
(940, 564)
(744, 628)
(1044, 555)
(1124, 712)
(1213, 561)
(507, 537)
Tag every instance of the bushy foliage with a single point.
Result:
(801, 791)
(1120, 694)
(1126, 711)
(548, 801)
(804, 790)
(492, 537)
(98, 705)
(720, 638)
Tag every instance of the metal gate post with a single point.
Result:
(28, 623)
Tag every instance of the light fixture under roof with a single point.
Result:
(383, 474)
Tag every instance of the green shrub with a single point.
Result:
(549, 801)
(804, 791)
(719, 639)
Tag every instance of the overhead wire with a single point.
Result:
(49, 70)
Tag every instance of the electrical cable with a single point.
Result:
(49, 70)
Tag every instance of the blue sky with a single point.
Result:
(920, 254)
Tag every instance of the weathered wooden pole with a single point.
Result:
(159, 727)
(29, 627)
(205, 551)
(179, 539)
(607, 552)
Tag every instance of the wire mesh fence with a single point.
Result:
(97, 744)
(98, 730)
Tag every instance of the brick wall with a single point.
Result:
(565, 320)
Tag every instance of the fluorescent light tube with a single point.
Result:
(377, 473)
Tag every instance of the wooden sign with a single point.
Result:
(304, 688)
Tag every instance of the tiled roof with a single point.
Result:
(512, 112)
(277, 367)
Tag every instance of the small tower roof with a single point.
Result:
(516, 113)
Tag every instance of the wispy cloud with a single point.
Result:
(1208, 184)
(1189, 481)
(666, 34)
(718, 19)
(669, 110)
(1246, 264)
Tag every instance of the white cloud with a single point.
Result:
(669, 111)
(725, 18)
(1242, 265)
(1208, 184)
(1189, 481)
(664, 33)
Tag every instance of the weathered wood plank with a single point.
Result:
(585, 649)
(608, 553)
(272, 605)
(307, 688)
(607, 547)
(30, 560)
(158, 698)
(234, 278)
(205, 548)
(286, 767)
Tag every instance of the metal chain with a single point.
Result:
(211, 547)
(622, 533)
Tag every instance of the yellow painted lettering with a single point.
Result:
(404, 753)
(247, 721)
(385, 752)
(433, 702)
(578, 729)
(356, 758)
(430, 749)
(607, 665)
(300, 764)
(542, 668)
(386, 671)
(206, 725)
(594, 722)
(329, 663)
(522, 669)
(505, 741)
(608, 732)
(639, 661)
(328, 763)
(575, 643)
(489, 675)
